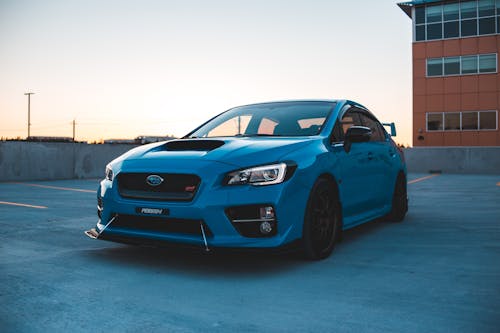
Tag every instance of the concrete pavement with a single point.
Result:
(438, 271)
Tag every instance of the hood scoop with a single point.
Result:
(193, 145)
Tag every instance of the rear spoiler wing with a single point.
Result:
(392, 126)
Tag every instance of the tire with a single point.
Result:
(322, 222)
(399, 200)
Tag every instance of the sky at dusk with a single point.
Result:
(129, 68)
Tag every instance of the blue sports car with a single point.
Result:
(269, 175)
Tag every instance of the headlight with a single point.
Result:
(109, 173)
(262, 175)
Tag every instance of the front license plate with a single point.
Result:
(152, 211)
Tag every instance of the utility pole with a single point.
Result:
(29, 123)
(74, 125)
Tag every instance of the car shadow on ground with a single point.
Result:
(223, 262)
(364, 230)
(197, 261)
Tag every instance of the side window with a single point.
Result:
(377, 131)
(350, 118)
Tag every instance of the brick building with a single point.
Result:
(455, 72)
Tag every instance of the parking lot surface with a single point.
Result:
(438, 271)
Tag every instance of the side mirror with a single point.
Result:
(356, 134)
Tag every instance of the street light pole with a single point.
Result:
(29, 122)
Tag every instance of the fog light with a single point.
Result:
(266, 228)
(266, 213)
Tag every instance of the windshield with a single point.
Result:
(268, 119)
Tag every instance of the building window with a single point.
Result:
(434, 13)
(452, 121)
(487, 63)
(451, 29)
(488, 120)
(486, 7)
(487, 26)
(462, 65)
(469, 64)
(450, 12)
(462, 121)
(469, 27)
(435, 67)
(458, 19)
(469, 121)
(434, 31)
(451, 65)
(420, 15)
(468, 9)
(435, 121)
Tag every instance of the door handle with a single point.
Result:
(370, 155)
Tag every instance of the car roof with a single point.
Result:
(338, 101)
(295, 100)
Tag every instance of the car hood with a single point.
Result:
(240, 152)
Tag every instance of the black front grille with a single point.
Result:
(161, 224)
(244, 212)
(175, 187)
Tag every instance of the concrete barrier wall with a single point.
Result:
(46, 161)
(475, 160)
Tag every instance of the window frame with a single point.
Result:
(358, 113)
(496, 120)
(478, 59)
(442, 122)
(461, 121)
(479, 20)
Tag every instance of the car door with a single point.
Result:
(380, 165)
(353, 171)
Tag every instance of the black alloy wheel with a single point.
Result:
(322, 224)
(399, 200)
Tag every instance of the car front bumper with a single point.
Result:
(209, 208)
